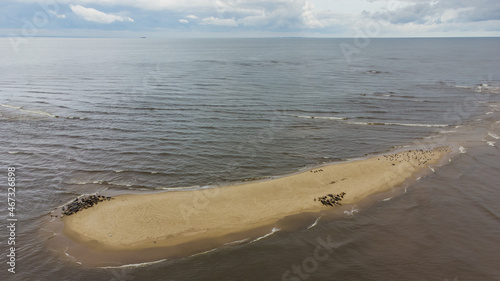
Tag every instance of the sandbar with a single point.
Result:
(142, 221)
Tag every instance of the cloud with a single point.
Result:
(219, 21)
(268, 15)
(55, 14)
(305, 17)
(443, 11)
(94, 15)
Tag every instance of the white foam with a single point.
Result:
(488, 113)
(13, 152)
(387, 199)
(135, 265)
(495, 136)
(492, 143)
(351, 212)
(118, 171)
(373, 123)
(314, 223)
(38, 112)
(10, 106)
(463, 87)
(29, 111)
(70, 256)
(398, 124)
(447, 132)
(487, 89)
(322, 117)
(462, 149)
(236, 242)
(267, 235)
(432, 169)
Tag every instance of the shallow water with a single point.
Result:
(80, 116)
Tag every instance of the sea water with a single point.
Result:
(79, 116)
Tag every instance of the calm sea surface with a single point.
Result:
(79, 116)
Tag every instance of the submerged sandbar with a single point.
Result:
(141, 221)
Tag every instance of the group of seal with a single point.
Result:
(331, 200)
(83, 203)
(422, 156)
(317, 171)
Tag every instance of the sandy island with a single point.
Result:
(141, 221)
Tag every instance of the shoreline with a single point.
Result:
(135, 222)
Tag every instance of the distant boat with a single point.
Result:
(143, 37)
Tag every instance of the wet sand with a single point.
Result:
(142, 221)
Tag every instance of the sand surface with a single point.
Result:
(141, 221)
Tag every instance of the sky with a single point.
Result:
(250, 18)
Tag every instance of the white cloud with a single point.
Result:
(295, 14)
(324, 17)
(219, 21)
(94, 15)
(62, 16)
(309, 18)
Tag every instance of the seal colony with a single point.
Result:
(83, 203)
(331, 200)
(184, 218)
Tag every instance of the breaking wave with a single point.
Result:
(274, 230)
(373, 123)
(20, 108)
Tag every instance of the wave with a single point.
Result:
(314, 223)
(274, 230)
(236, 242)
(462, 149)
(491, 143)
(351, 212)
(10, 106)
(486, 88)
(372, 123)
(399, 124)
(20, 108)
(461, 87)
(375, 72)
(493, 135)
(322, 117)
(134, 265)
(104, 182)
(39, 112)
(135, 186)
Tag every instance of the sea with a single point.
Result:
(80, 116)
